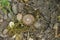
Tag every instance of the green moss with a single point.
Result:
(5, 4)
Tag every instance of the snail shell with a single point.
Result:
(28, 19)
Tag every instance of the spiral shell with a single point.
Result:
(28, 19)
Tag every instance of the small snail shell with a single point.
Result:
(28, 19)
(11, 24)
(19, 17)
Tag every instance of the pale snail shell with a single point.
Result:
(28, 19)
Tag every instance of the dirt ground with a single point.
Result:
(29, 19)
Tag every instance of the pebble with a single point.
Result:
(5, 17)
(19, 17)
(1, 20)
(14, 8)
(55, 25)
(5, 31)
(43, 38)
(37, 25)
(30, 39)
(9, 16)
(20, 7)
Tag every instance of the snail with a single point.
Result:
(28, 19)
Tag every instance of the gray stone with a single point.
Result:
(14, 8)
(9, 16)
(20, 7)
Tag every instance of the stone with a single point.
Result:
(1, 20)
(30, 39)
(37, 25)
(20, 7)
(14, 8)
(19, 17)
(5, 17)
(9, 16)
(5, 31)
